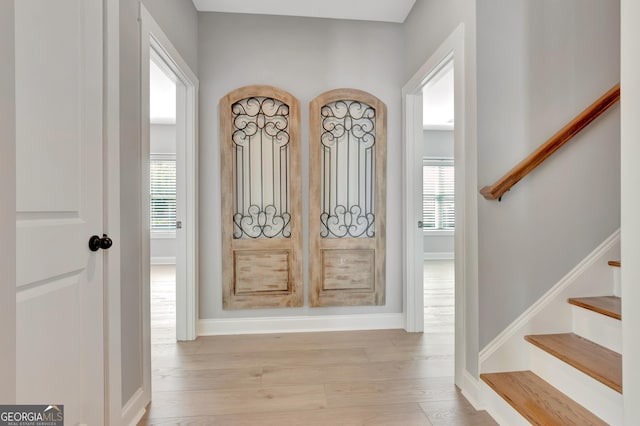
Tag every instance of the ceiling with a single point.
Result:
(362, 10)
(437, 93)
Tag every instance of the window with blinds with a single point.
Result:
(163, 193)
(438, 194)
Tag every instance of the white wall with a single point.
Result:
(438, 144)
(179, 22)
(630, 58)
(162, 138)
(163, 141)
(8, 206)
(305, 57)
(539, 64)
(178, 19)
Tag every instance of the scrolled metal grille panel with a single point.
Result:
(348, 141)
(260, 136)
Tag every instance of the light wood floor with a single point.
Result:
(385, 377)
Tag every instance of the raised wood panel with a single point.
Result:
(257, 272)
(346, 285)
(251, 292)
(348, 269)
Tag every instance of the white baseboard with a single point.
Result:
(134, 409)
(163, 260)
(471, 390)
(551, 313)
(503, 413)
(438, 256)
(221, 326)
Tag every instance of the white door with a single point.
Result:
(59, 293)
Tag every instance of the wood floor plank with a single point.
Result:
(411, 352)
(389, 392)
(296, 341)
(592, 359)
(373, 371)
(455, 412)
(227, 360)
(179, 379)
(388, 415)
(232, 401)
(539, 402)
(610, 306)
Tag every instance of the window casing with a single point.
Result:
(438, 204)
(163, 195)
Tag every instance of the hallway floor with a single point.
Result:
(381, 377)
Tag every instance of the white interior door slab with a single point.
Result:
(59, 203)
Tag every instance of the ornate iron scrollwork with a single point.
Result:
(261, 155)
(348, 170)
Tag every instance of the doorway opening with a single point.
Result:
(157, 50)
(447, 60)
(438, 204)
(163, 200)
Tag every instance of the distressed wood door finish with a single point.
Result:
(347, 196)
(59, 205)
(261, 199)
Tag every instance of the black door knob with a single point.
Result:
(105, 242)
(96, 243)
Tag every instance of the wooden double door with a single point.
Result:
(262, 191)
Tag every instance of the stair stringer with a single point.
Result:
(550, 314)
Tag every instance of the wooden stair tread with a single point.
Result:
(538, 401)
(596, 361)
(605, 305)
(615, 263)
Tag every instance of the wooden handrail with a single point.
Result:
(537, 157)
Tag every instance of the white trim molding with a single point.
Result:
(134, 409)
(439, 256)
(466, 206)
(155, 44)
(112, 226)
(223, 326)
(471, 390)
(551, 313)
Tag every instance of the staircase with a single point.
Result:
(574, 377)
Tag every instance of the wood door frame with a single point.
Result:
(453, 48)
(153, 38)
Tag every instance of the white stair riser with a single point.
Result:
(598, 328)
(617, 282)
(503, 413)
(601, 400)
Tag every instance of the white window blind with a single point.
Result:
(438, 194)
(163, 193)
